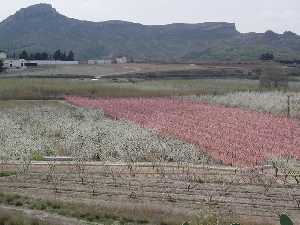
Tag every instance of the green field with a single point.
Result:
(35, 89)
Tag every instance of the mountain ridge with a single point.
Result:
(42, 28)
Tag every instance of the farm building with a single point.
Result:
(13, 64)
(100, 61)
(118, 60)
(121, 60)
(53, 62)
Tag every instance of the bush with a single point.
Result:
(285, 220)
(273, 76)
(1, 66)
(267, 56)
(7, 174)
(37, 156)
(13, 218)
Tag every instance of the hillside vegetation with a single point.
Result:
(41, 28)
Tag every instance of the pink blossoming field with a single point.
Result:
(234, 136)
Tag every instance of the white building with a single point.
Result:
(121, 60)
(53, 62)
(13, 64)
(104, 61)
(3, 55)
(99, 61)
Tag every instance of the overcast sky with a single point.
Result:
(249, 15)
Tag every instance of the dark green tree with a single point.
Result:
(267, 56)
(37, 56)
(63, 57)
(44, 56)
(32, 56)
(57, 55)
(70, 56)
(285, 220)
(1, 66)
(24, 55)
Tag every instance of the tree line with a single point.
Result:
(269, 56)
(1, 66)
(57, 55)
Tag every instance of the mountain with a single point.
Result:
(41, 28)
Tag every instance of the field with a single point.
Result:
(151, 146)
(164, 194)
(44, 89)
(47, 128)
(131, 80)
(236, 137)
(274, 102)
(115, 70)
(137, 172)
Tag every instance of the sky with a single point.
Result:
(249, 15)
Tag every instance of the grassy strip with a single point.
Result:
(44, 89)
(110, 214)
(7, 174)
(9, 218)
(91, 213)
(73, 210)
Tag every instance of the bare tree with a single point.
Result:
(273, 76)
(287, 166)
(92, 182)
(4, 150)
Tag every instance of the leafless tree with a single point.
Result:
(273, 76)
(288, 166)
(92, 182)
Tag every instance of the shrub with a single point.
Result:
(37, 156)
(1, 66)
(273, 76)
(9, 218)
(267, 56)
(285, 220)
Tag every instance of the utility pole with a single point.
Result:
(289, 106)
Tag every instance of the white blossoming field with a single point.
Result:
(274, 102)
(37, 129)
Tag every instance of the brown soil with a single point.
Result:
(247, 195)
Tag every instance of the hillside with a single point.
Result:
(41, 28)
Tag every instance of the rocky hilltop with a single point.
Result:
(41, 28)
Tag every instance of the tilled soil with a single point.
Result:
(252, 196)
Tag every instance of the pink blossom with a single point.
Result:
(235, 136)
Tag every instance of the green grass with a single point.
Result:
(68, 209)
(7, 174)
(107, 214)
(9, 218)
(37, 156)
(38, 89)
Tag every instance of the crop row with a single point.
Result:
(156, 190)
